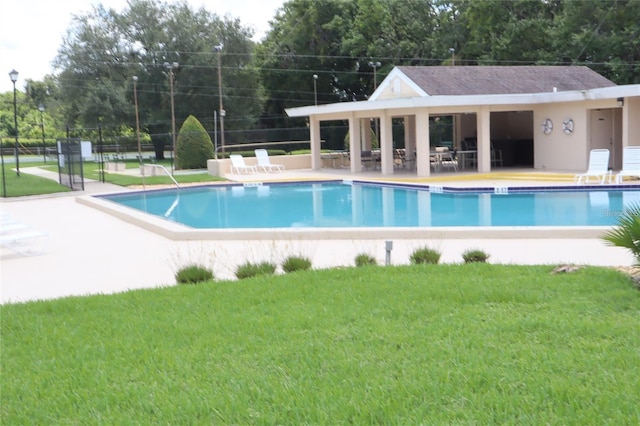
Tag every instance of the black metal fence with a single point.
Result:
(70, 164)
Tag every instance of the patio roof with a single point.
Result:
(459, 101)
(496, 80)
(475, 86)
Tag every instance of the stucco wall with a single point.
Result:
(560, 151)
(221, 167)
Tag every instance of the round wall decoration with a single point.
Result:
(547, 126)
(567, 126)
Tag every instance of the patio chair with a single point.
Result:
(238, 164)
(449, 159)
(598, 166)
(630, 163)
(265, 163)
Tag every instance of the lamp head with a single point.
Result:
(315, 76)
(13, 75)
(135, 78)
(217, 48)
(452, 50)
(41, 108)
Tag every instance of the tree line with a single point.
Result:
(315, 50)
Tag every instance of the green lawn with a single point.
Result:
(27, 184)
(406, 345)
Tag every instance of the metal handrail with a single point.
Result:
(167, 172)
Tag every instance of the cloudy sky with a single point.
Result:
(31, 30)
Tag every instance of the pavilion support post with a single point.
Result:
(423, 166)
(314, 135)
(355, 141)
(410, 138)
(386, 144)
(484, 140)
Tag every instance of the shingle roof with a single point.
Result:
(496, 80)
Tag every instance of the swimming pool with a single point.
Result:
(329, 209)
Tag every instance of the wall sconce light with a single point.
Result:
(620, 102)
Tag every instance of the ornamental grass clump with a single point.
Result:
(425, 255)
(364, 259)
(627, 233)
(249, 269)
(193, 274)
(296, 263)
(475, 256)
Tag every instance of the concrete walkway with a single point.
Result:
(91, 252)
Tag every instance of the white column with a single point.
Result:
(410, 136)
(484, 140)
(314, 135)
(366, 133)
(355, 141)
(386, 144)
(422, 143)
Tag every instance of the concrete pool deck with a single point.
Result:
(91, 252)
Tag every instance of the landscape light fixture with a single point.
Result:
(452, 52)
(14, 77)
(170, 68)
(218, 50)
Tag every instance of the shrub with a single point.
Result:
(296, 263)
(627, 233)
(425, 255)
(194, 146)
(474, 255)
(193, 274)
(249, 269)
(364, 259)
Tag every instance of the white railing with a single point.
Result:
(159, 166)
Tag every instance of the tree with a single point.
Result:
(104, 49)
(194, 145)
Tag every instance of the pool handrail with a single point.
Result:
(160, 166)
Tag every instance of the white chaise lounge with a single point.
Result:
(264, 162)
(630, 163)
(598, 167)
(238, 164)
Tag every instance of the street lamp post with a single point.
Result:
(44, 146)
(452, 51)
(223, 113)
(315, 88)
(14, 77)
(375, 66)
(4, 181)
(135, 103)
(170, 68)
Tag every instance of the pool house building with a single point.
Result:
(538, 117)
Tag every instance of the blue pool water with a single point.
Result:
(337, 205)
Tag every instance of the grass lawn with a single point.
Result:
(27, 184)
(34, 185)
(406, 345)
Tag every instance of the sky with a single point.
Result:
(31, 31)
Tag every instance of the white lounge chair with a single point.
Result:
(238, 164)
(21, 238)
(630, 163)
(598, 166)
(265, 164)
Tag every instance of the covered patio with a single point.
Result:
(545, 118)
